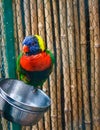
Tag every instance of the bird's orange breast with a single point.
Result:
(38, 62)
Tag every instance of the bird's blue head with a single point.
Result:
(31, 45)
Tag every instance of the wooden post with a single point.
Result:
(71, 42)
(35, 127)
(65, 60)
(58, 61)
(92, 61)
(41, 18)
(27, 17)
(96, 27)
(34, 20)
(78, 62)
(50, 42)
(19, 23)
(85, 88)
(17, 44)
(45, 87)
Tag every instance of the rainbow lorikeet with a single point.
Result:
(35, 62)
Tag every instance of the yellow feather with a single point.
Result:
(41, 42)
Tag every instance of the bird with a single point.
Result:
(35, 62)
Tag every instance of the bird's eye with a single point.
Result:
(33, 44)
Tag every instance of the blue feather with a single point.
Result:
(32, 43)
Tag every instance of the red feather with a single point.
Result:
(38, 62)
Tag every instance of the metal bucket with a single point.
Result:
(21, 103)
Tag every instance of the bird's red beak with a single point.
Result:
(26, 49)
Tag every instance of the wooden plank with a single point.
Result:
(78, 62)
(19, 28)
(58, 62)
(27, 17)
(50, 46)
(92, 53)
(71, 42)
(85, 88)
(34, 20)
(45, 122)
(65, 61)
(96, 27)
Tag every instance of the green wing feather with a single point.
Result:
(20, 72)
(18, 62)
(51, 55)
